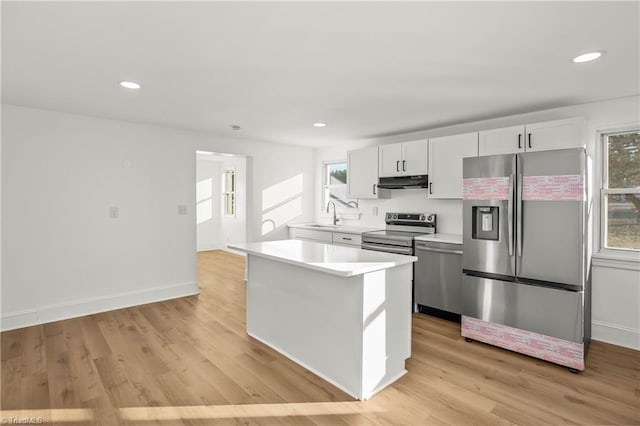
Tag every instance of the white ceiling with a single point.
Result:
(366, 68)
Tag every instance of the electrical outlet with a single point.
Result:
(182, 209)
(114, 212)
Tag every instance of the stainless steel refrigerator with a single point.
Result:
(526, 261)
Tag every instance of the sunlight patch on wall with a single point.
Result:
(281, 203)
(204, 189)
(281, 215)
(281, 192)
(204, 211)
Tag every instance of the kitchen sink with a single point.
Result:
(318, 225)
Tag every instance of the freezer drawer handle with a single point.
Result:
(437, 250)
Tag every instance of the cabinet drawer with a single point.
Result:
(311, 234)
(350, 239)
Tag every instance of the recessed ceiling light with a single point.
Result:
(587, 57)
(320, 124)
(130, 84)
(235, 127)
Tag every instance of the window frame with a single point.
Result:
(603, 140)
(226, 193)
(325, 182)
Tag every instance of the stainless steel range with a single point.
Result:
(398, 235)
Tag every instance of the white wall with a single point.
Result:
(215, 229)
(208, 204)
(62, 255)
(616, 284)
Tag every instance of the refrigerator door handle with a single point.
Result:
(510, 214)
(519, 213)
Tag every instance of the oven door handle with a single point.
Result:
(387, 249)
(437, 250)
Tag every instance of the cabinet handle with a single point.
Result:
(347, 239)
(430, 188)
(374, 189)
(529, 136)
(519, 140)
(397, 166)
(404, 169)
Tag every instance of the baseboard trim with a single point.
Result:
(78, 308)
(615, 334)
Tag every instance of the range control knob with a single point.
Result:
(388, 215)
(422, 218)
(430, 218)
(395, 216)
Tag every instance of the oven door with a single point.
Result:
(387, 248)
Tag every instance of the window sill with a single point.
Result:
(612, 259)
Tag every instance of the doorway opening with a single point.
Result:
(221, 200)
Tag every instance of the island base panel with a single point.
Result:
(353, 332)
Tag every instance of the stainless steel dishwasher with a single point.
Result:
(437, 278)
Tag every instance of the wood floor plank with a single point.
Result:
(190, 362)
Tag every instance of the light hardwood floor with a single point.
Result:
(189, 361)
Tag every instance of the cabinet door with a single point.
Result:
(414, 158)
(508, 140)
(390, 157)
(362, 170)
(445, 163)
(559, 134)
(311, 235)
(343, 239)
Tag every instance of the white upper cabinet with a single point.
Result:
(445, 163)
(549, 135)
(508, 140)
(362, 174)
(559, 134)
(403, 159)
(414, 158)
(390, 160)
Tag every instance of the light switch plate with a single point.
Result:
(182, 209)
(114, 212)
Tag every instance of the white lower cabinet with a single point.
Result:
(345, 239)
(310, 235)
(445, 163)
(326, 236)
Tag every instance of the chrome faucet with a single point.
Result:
(335, 218)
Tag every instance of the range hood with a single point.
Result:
(399, 182)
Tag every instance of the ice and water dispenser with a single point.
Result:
(485, 223)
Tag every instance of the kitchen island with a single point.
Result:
(343, 313)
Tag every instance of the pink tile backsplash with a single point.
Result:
(558, 351)
(553, 188)
(493, 188)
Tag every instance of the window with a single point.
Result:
(621, 190)
(335, 183)
(229, 192)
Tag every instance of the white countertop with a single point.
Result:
(347, 229)
(332, 259)
(441, 238)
